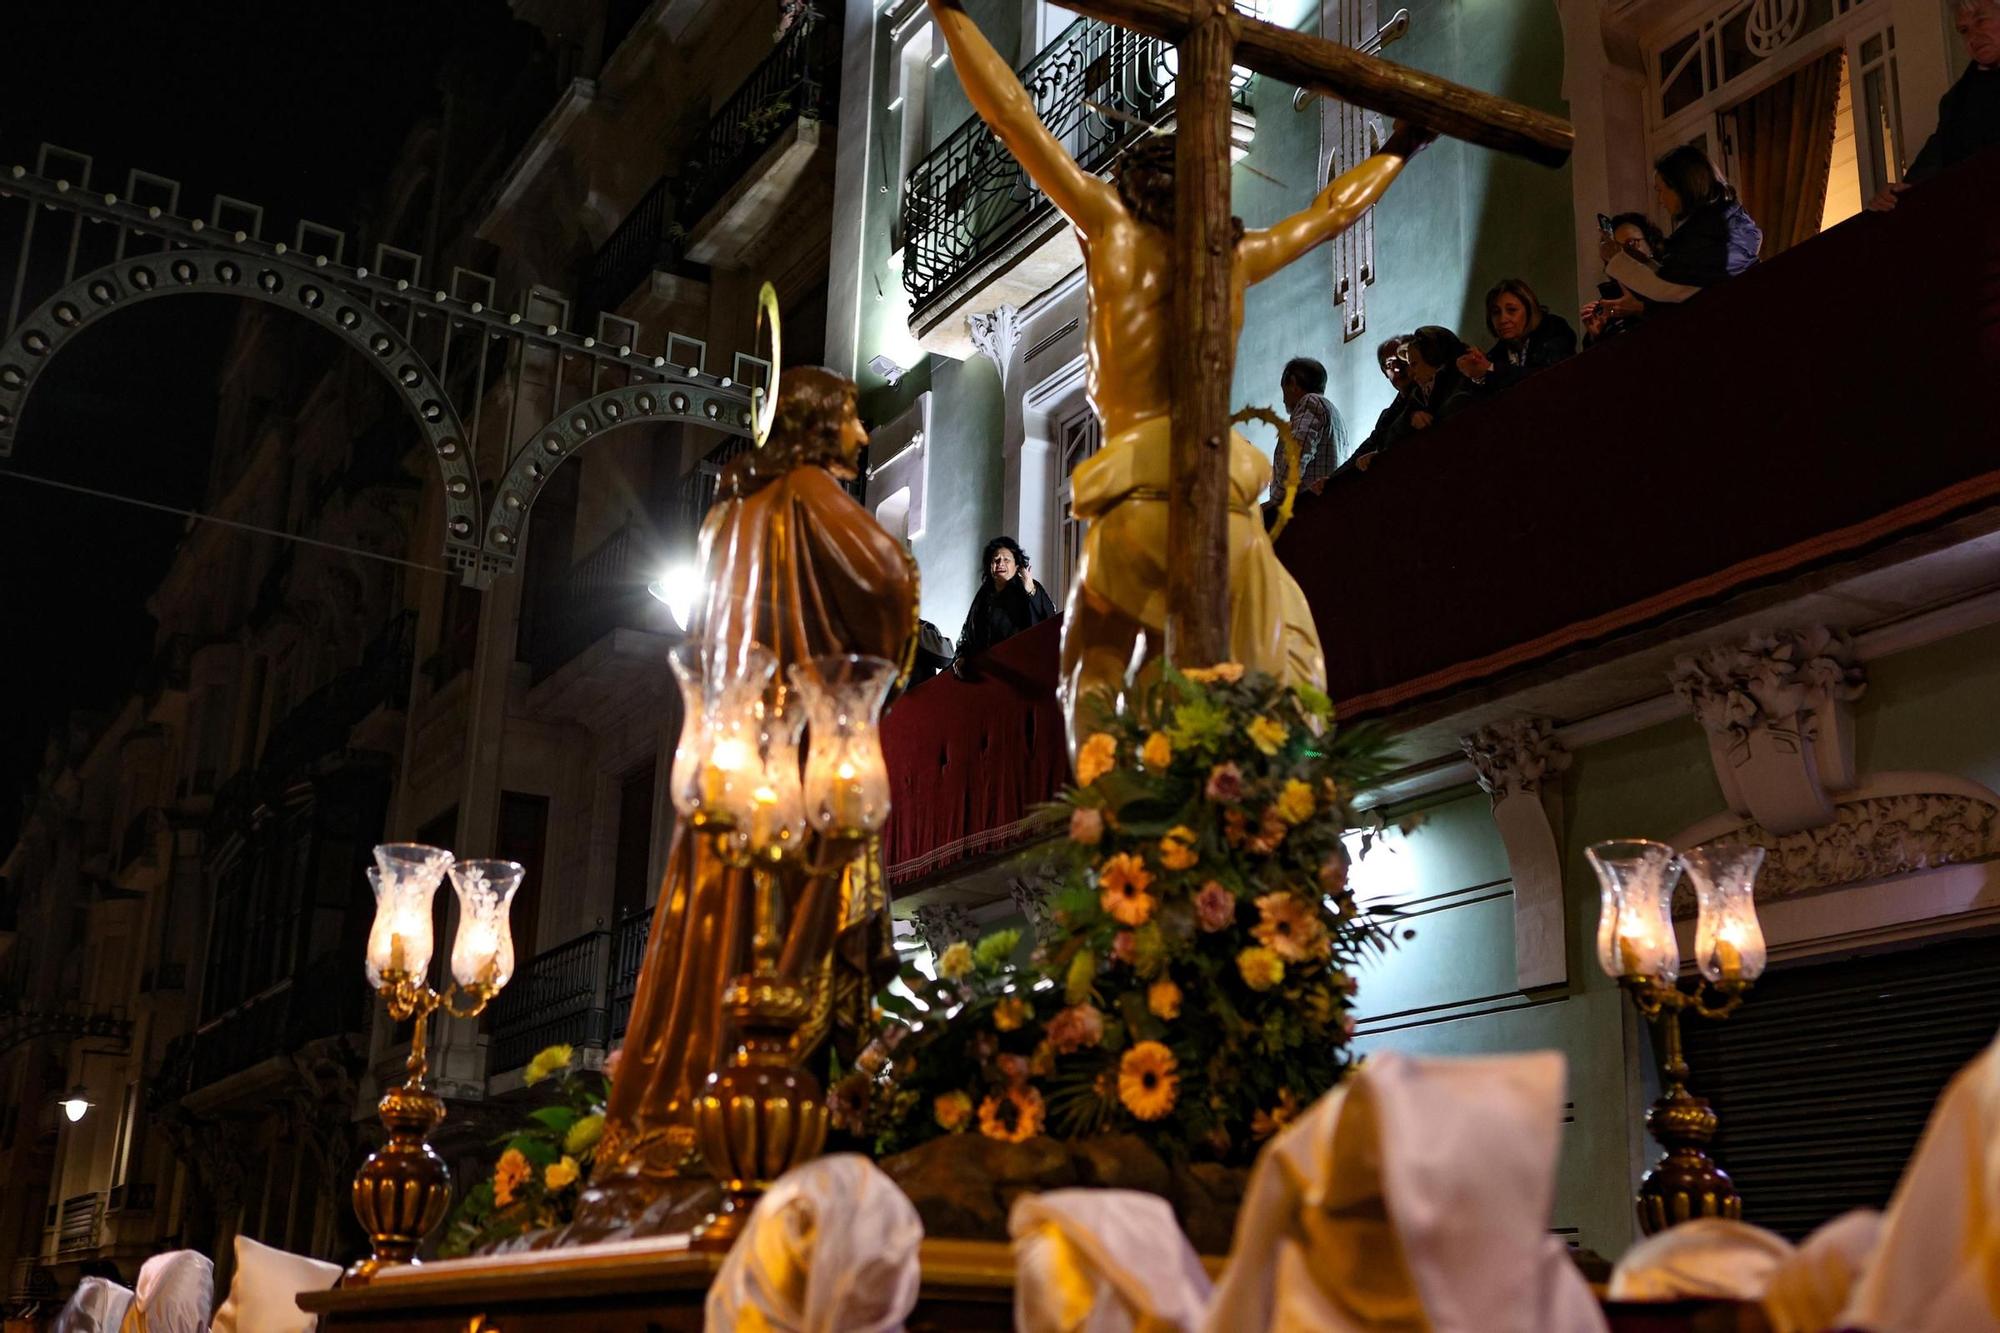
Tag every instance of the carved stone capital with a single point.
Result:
(995, 333)
(1779, 723)
(1514, 756)
(1514, 761)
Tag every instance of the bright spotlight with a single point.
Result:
(74, 1107)
(678, 588)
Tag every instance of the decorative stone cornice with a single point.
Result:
(1780, 730)
(1894, 824)
(1514, 756)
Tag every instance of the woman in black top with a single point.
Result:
(1008, 601)
(1530, 337)
(1713, 238)
(1436, 389)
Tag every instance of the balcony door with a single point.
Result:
(1749, 81)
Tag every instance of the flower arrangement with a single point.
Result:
(1199, 990)
(543, 1165)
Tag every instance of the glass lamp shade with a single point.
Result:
(1635, 924)
(777, 817)
(483, 952)
(847, 779)
(716, 762)
(1728, 941)
(405, 878)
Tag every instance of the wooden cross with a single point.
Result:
(1213, 37)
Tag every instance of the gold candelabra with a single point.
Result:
(401, 1193)
(1637, 946)
(738, 780)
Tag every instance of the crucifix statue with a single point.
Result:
(1175, 548)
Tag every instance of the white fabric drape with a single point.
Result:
(97, 1306)
(1103, 1261)
(1415, 1196)
(831, 1248)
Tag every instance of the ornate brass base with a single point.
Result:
(758, 1116)
(402, 1191)
(1686, 1183)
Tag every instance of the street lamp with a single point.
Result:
(677, 587)
(75, 1105)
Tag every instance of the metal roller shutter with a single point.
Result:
(1825, 1077)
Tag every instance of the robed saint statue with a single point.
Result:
(792, 563)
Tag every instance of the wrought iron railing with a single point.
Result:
(322, 999)
(1097, 87)
(320, 724)
(603, 591)
(649, 238)
(559, 997)
(796, 81)
(628, 955)
(79, 1222)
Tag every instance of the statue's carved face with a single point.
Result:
(853, 439)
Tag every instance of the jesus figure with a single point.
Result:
(1116, 613)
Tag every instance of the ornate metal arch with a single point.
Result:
(722, 406)
(316, 296)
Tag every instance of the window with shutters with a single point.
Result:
(1825, 1077)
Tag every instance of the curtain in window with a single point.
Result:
(1785, 145)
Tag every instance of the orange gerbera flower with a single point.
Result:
(1121, 889)
(1147, 1083)
(509, 1174)
(1289, 928)
(1012, 1115)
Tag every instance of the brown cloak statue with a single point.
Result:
(789, 561)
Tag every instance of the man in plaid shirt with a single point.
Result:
(1315, 425)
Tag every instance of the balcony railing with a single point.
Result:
(558, 998)
(649, 238)
(320, 724)
(79, 1221)
(603, 591)
(1097, 87)
(628, 955)
(796, 81)
(322, 999)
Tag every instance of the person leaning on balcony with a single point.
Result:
(1713, 238)
(1008, 601)
(1392, 356)
(1316, 429)
(1531, 337)
(1618, 310)
(1437, 389)
(1969, 112)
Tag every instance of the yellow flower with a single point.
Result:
(1146, 1080)
(1012, 1115)
(1261, 968)
(509, 1174)
(1011, 1012)
(1266, 1123)
(1295, 803)
(1098, 756)
(546, 1062)
(584, 1134)
(1158, 752)
(1121, 889)
(1267, 734)
(560, 1175)
(952, 1111)
(1226, 672)
(955, 963)
(1177, 848)
(1163, 998)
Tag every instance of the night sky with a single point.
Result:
(299, 105)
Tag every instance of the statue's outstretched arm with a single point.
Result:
(1344, 200)
(1001, 101)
